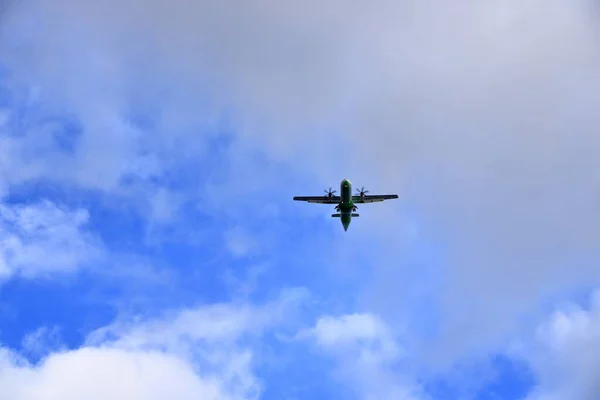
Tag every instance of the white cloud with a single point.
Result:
(101, 373)
(43, 239)
(205, 352)
(367, 353)
(42, 341)
(566, 354)
(350, 330)
(480, 114)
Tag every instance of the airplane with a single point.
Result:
(346, 203)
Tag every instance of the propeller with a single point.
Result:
(362, 191)
(330, 192)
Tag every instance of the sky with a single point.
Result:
(150, 247)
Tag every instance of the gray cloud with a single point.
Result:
(481, 116)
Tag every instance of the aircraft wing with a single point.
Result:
(373, 198)
(319, 199)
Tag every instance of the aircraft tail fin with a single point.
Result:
(336, 215)
(355, 215)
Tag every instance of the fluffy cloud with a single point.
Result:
(100, 373)
(43, 239)
(367, 353)
(480, 114)
(204, 352)
(350, 330)
(566, 355)
(42, 341)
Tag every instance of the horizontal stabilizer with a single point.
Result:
(336, 215)
(355, 215)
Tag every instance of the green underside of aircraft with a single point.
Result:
(346, 203)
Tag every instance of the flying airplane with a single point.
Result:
(346, 203)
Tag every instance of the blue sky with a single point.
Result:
(150, 249)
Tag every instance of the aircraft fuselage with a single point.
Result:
(346, 206)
